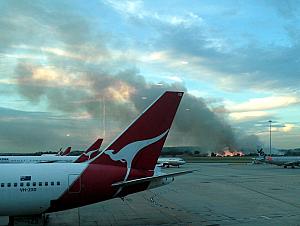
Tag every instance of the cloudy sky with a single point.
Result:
(72, 71)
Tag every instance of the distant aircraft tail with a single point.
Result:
(91, 152)
(139, 146)
(261, 153)
(66, 152)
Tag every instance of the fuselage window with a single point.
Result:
(15, 184)
(28, 184)
(34, 184)
(21, 184)
(46, 183)
(52, 183)
(58, 183)
(2, 185)
(8, 184)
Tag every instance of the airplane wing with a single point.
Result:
(292, 163)
(149, 179)
(50, 161)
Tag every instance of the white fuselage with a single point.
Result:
(27, 189)
(283, 160)
(37, 159)
(165, 161)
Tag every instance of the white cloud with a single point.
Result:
(49, 76)
(265, 103)
(288, 127)
(128, 8)
(87, 53)
(184, 62)
(174, 78)
(198, 93)
(185, 20)
(136, 9)
(240, 116)
(7, 81)
(153, 56)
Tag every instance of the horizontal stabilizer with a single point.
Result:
(292, 163)
(50, 161)
(149, 179)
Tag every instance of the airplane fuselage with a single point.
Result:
(29, 189)
(172, 161)
(37, 159)
(284, 160)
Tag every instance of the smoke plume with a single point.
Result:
(71, 70)
(124, 95)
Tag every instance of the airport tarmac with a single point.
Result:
(216, 194)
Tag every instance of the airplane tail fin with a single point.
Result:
(91, 152)
(66, 152)
(261, 153)
(139, 146)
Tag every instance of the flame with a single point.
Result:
(225, 153)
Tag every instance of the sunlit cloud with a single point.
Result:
(154, 56)
(241, 116)
(49, 76)
(121, 92)
(285, 128)
(184, 62)
(85, 53)
(174, 78)
(265, 103)
(288, 127)
(8, 81)
(136, 9)
(70, 62)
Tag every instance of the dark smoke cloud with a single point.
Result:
(83, 83)
(195, 123)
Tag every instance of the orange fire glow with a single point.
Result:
(230, 153)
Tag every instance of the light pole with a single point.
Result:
(103, 116)
(270, 121)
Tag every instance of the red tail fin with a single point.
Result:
(91, 152)
(67, 151)
(139, 146)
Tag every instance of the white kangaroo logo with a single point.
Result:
(89, 154)
(127, 153)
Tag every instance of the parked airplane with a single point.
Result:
(167, 162)
(60, 153)
(91, 151)
(126, 166)
(284, 161)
